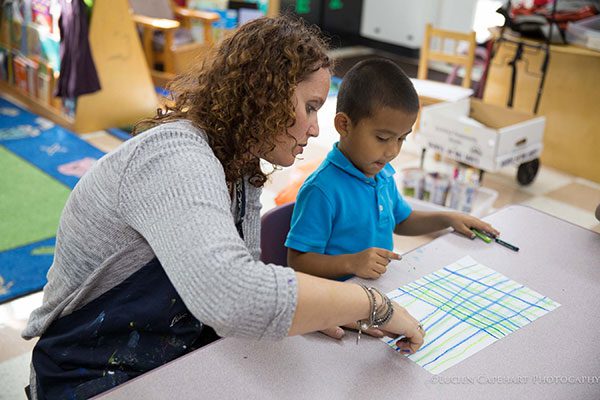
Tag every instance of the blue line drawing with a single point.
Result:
(464, 307)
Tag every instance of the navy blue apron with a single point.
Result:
(136, 326)
(133, 328)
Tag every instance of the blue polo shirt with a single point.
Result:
(339, 210)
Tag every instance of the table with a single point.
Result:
(557, 259)
(431, 92)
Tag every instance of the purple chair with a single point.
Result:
(275, 225)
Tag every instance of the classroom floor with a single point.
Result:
(554, 192)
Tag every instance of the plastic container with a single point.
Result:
(436, 188)
(413, 181)
(463, 190)
(482, 203)
(585, 32)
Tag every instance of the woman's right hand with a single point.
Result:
(402, 323)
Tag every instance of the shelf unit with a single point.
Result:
(127, 93)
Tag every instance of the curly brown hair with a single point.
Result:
(242, 93)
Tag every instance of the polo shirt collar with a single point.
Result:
(338, 158)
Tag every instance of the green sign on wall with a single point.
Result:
(336, 5)
(303, 6)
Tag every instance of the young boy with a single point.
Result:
(348, 209)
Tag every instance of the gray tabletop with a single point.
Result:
(554, 357)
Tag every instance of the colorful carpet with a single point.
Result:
(40, 163)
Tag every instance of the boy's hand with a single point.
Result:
(463, 223)
(371, 263)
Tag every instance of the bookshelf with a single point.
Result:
(127, 92)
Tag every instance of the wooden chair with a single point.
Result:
(448, 50)
(166, 36)
(431, 92)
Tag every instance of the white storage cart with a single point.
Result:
(484, 136)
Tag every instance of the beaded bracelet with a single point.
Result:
(365, 324)
(382, 317)
(378, 316)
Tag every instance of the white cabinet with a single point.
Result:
(402, 22)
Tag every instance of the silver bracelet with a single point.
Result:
(378, 316)
(365, 324)
(388, 310)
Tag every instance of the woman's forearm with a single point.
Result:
(323, 303)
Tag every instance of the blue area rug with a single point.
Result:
(33, 147)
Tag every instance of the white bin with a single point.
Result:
(585, 32)
(502, 136)
(482, 205)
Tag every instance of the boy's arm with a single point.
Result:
(322, 265)
(310, 230)
(423, 222)
(370, 263)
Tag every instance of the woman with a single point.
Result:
(157, 250)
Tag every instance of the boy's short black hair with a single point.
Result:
(375, 83)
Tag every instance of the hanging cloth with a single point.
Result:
(78, 74)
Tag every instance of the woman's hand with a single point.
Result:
(402, 323)
(463, 223)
